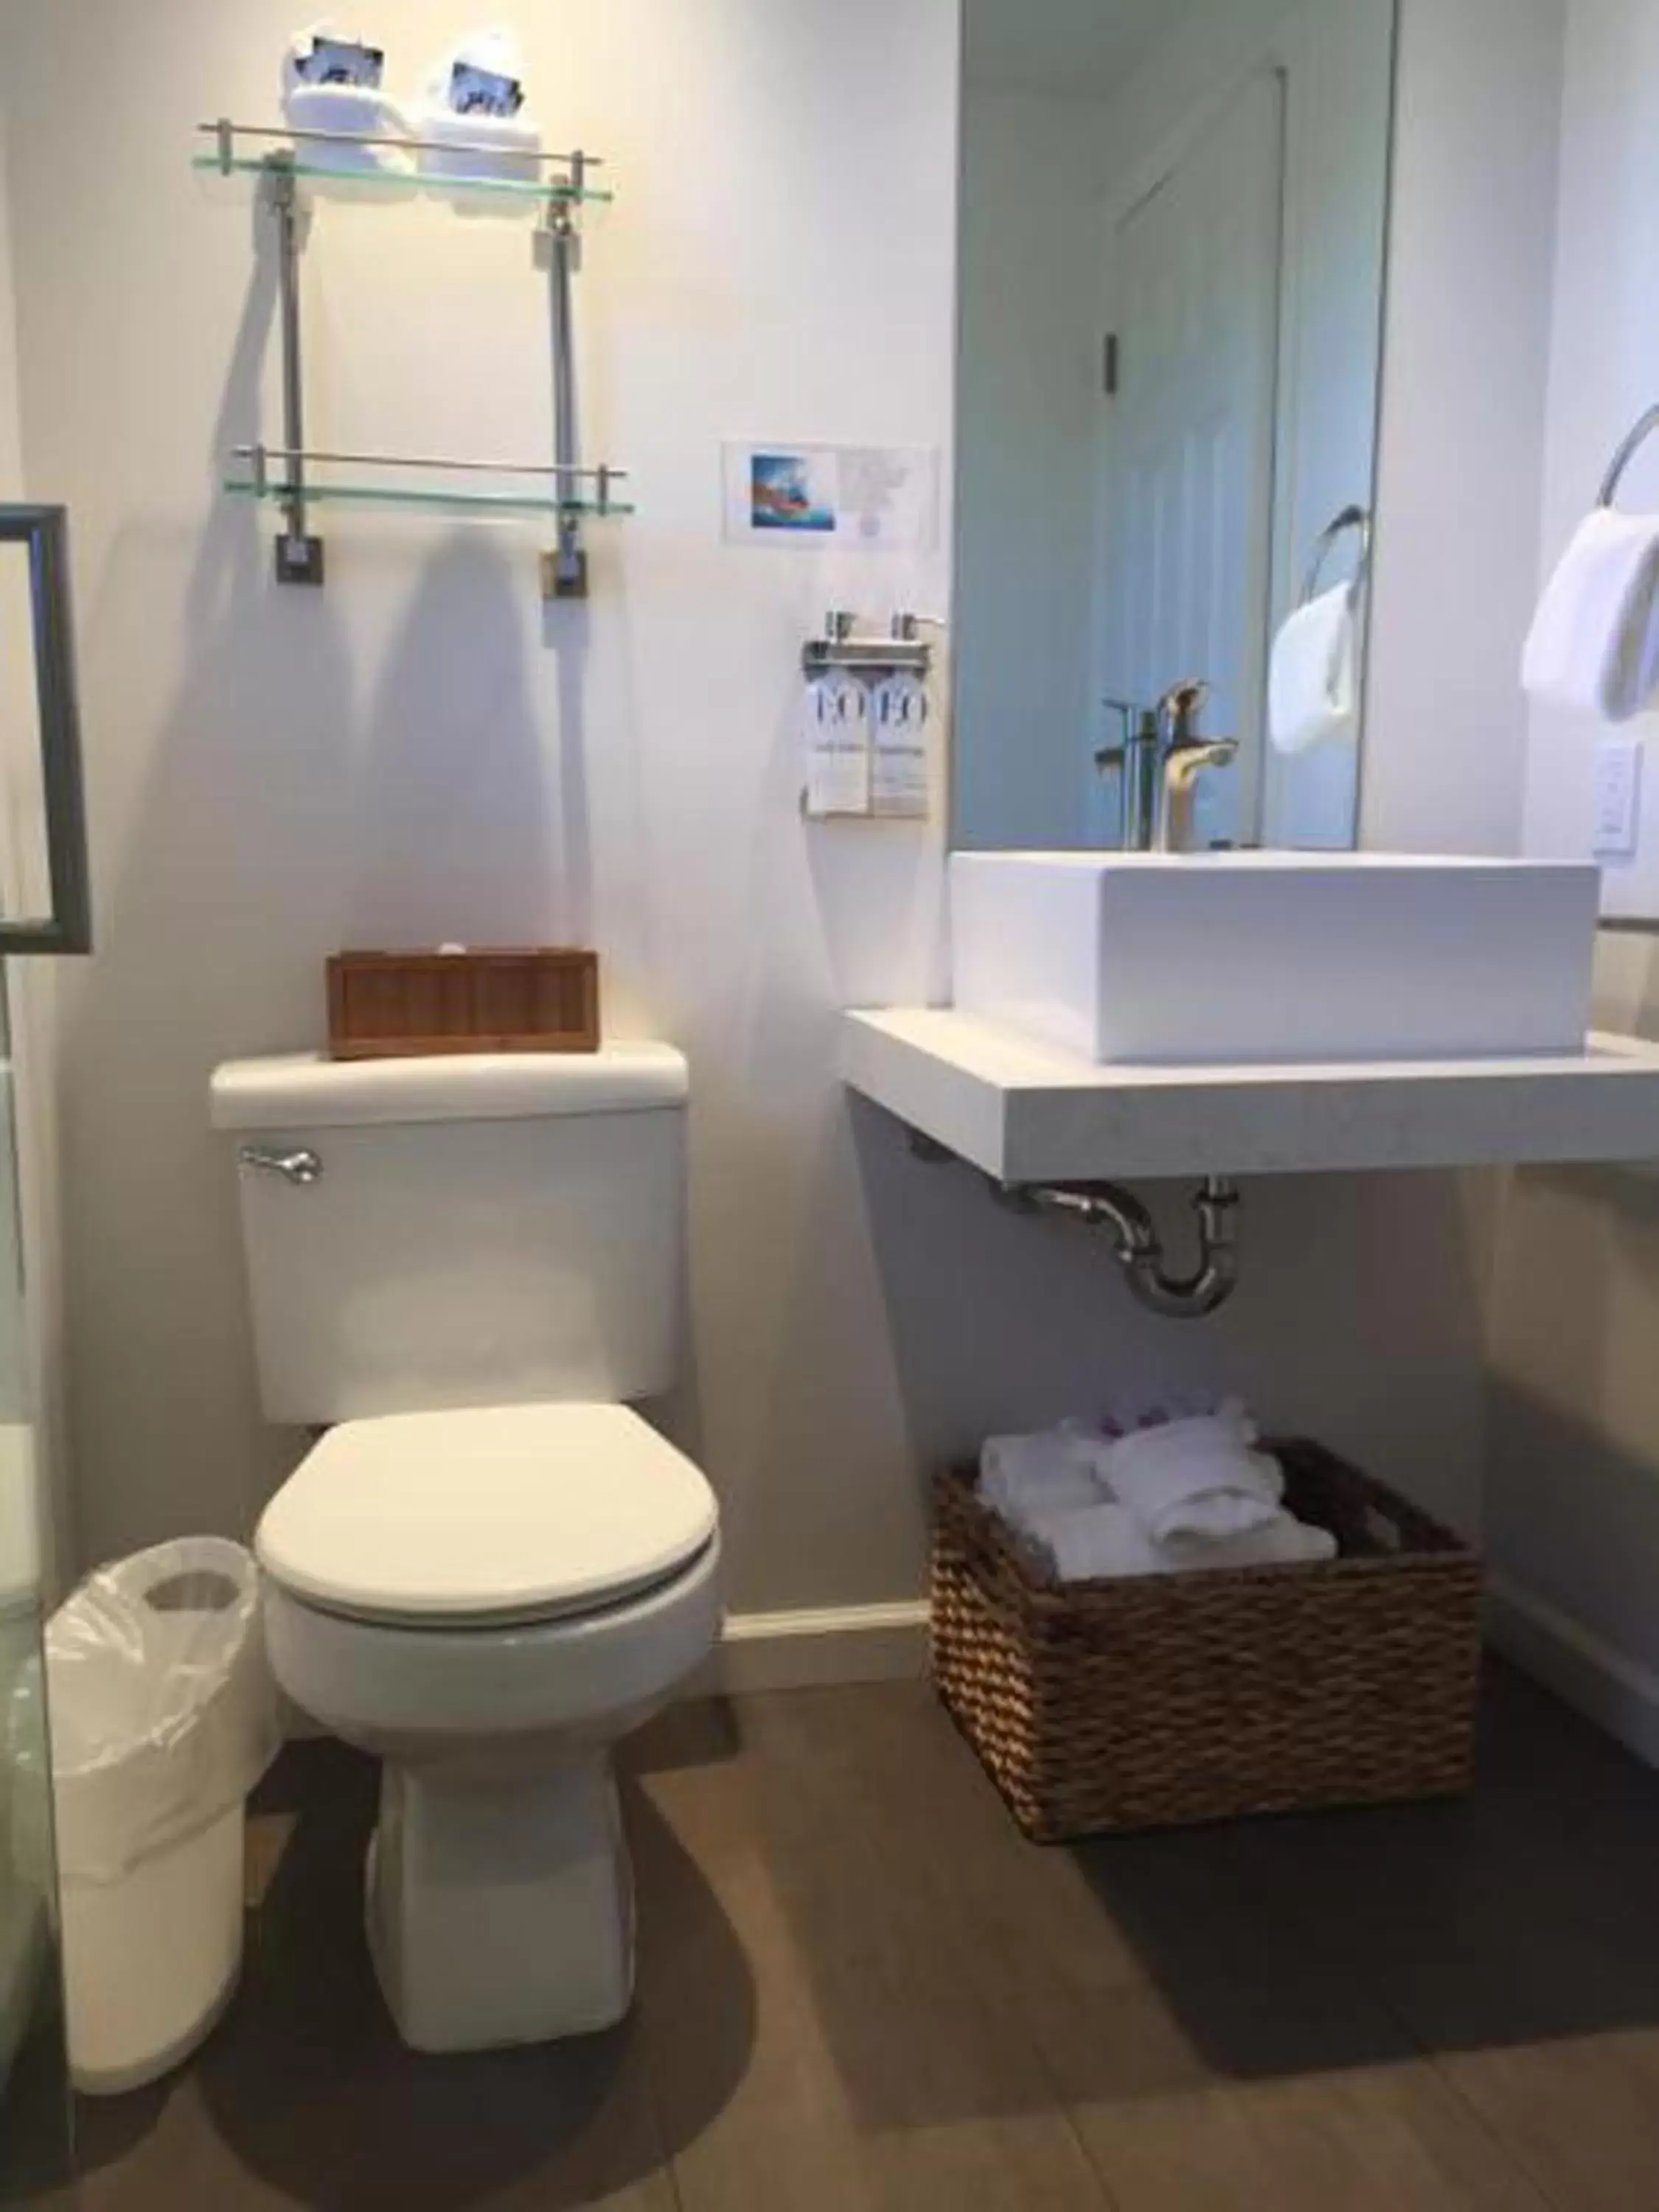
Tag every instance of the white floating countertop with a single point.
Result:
(1026, 1112)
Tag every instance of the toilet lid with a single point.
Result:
(500, 1513)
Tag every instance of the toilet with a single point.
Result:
(490, 1569)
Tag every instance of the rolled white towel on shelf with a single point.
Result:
(1027, 1478)
(1593, 644)
(350, 112)
(1313, 676)
(473, 143)
(479, 148)
(1200, 1478)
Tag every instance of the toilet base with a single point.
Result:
(500, 1912)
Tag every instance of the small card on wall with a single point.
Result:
(883, 498)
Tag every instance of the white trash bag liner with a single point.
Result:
(164, 1718)
(163, 1714)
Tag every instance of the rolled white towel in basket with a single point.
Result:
(1086, 1543)
(1284, 1541)
(1092, 1543)
(1026, 1479)
(1198, 1478)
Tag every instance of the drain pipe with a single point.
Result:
(1139, 1249)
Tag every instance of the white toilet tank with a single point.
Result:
(427, 1234)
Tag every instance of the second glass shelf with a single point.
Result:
(273, 494)
(396, 184)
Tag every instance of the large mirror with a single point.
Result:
(1173, 231)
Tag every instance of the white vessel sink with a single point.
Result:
(1247, 958)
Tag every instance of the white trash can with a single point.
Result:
(164, 1718)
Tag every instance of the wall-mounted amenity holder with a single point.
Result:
(867, 712)
(563, 489)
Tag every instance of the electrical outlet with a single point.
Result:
(1618, 797)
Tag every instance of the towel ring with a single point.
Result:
(1352, 518)
(1634, 439)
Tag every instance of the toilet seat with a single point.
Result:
(486, 1517)
(385, 1684)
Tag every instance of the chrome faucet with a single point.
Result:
(1184, 755)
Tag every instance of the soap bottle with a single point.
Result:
(838, 732)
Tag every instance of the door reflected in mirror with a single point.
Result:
(1174, 219)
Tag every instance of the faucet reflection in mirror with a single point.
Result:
(1173, 239)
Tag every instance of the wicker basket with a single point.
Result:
(1153, 1702)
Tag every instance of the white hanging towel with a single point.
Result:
(1313, 679)
(1594, 640)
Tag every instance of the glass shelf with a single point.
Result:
(274, 493)
(390, 184)
(285, 477)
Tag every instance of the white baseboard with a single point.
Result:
(818, 1648)
(1607, 1687)
(814, 1648)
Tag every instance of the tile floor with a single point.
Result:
(862, 1989)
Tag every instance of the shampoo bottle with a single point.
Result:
(837, 733)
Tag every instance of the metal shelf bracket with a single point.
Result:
(300, 557)
(564, 569)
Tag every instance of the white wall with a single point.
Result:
(1604, 343)
(417, 753)
(1574, 1473)
(1460, 467)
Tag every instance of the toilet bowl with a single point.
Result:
(490, 1569)
(486, 1601)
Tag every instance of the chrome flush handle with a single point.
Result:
(303, 1168)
